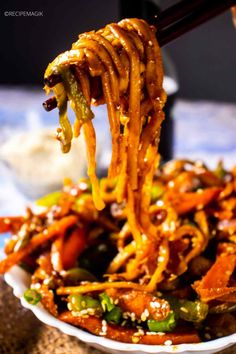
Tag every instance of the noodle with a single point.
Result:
(126, 57)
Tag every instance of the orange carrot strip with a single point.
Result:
(219, 274)
(8, 223)
(214, 293)
(127, 335)
(72, 248)
(56, 229)
(214, 284)
(228, 298)
(186, 202)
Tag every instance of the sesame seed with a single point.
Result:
(144, 237)
(103, 331)
(200, 191)
(207, 336)
(74, 192)
(83, 313)
(155, 304)
(143, 317)
(69, 306)
(135, 339)
(184, 309)
(168, 342)
(47, 281)
(166, 227)
(36, 286)
(141, 331)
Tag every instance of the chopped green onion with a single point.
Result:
(106, 302)
(32, 296)
(166, 325)
(49, 199)
(114, 316)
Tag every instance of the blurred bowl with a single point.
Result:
(37, 166)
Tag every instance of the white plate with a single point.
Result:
(19, 280)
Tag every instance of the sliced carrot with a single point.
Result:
(214, 293)
(72, 247)
(10, 223)
(186, 202)
(214, 284)
(228, 298)
(56, 229)
(219, 274)
(129, 335)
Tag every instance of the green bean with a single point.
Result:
(114, 316)
(192, 311)
(78, 302)
(106, 302)
(166, 325)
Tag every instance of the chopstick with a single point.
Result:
(187, 15)
(171, 24)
